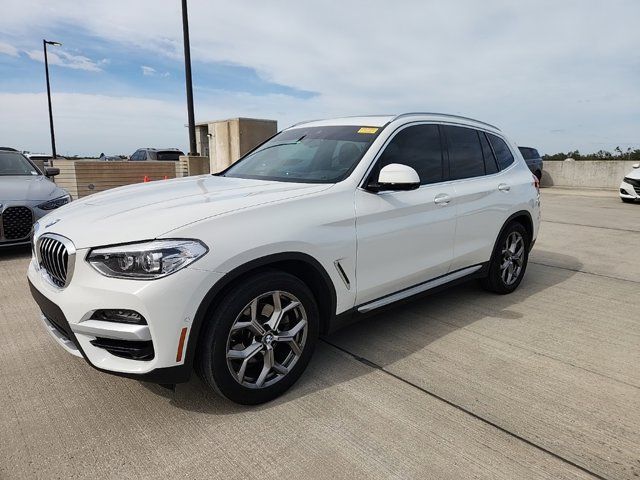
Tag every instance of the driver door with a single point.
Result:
(405, 238)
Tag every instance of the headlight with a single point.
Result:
(55, 203)
(147, 260)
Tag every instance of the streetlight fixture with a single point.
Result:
(193, 149)
(46, 69)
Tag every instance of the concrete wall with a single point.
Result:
(585, 174)
(193, 165)
(84, 177)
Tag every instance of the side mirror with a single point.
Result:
(636, 165)
(51, 171)
(396, 177)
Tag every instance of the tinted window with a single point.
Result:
(169, 155)
(465, 152)
(490, 165)
(419, 148)
(503, 154)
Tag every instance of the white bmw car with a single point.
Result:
(630, 186)
(238, 273)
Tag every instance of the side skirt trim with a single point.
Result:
(423, 287)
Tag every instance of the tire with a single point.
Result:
(627, 200)
(233, 362)
(498, 280)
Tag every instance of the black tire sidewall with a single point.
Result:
(495, 282)
(213, 345)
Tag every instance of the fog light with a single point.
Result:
(119, 316)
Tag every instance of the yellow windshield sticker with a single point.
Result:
(368, 130)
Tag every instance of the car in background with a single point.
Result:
(26, 195)
(630, 186)
(533, 159)
(143, 154)
(111, 158)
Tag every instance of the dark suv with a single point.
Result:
(142, 154)
(533, 159)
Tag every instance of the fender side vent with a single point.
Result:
(342, 274)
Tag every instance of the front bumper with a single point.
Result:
(628, 191)
(169, 305)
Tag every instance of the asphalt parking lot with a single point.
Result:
(543, 383)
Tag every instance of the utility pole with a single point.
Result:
(187, 71)
(46, 69)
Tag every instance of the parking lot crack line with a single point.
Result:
(592, 226)
(582, 271)
(374, 365)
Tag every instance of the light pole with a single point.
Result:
(193, 149)
(46, 69)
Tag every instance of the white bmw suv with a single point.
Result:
(238, 273)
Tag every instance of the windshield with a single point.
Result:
(14, 163)
(307, 155)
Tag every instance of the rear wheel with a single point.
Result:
(260, 338)
(509, 260)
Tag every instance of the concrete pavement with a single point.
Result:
(543, 383)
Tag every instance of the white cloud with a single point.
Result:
(8, 49)
(152, 72)
(530, 67)
(148, 71)
(68, 60)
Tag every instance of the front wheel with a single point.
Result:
(260, 338)
(509, 260)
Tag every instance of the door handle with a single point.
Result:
(442, 199)
(503, 187)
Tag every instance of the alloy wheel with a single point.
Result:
(267, 339)
(512, 258)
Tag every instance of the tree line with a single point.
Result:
(617, 154)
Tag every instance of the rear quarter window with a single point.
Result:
(502, 151)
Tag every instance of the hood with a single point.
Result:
(32, 188)
(635, 174)
(148, 210)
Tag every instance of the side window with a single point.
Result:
(490, 164)
(419, 148)
(465, 152)
(503, 154)
(142, 155)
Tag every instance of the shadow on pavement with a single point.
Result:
(394, 333)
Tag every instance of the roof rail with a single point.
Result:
(445, 115)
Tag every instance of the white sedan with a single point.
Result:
(630, 186)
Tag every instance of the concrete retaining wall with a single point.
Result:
(84, 177)
(586, 174)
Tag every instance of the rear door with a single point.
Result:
(481, 192)
(405, 237)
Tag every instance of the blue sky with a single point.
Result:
(556, 75)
